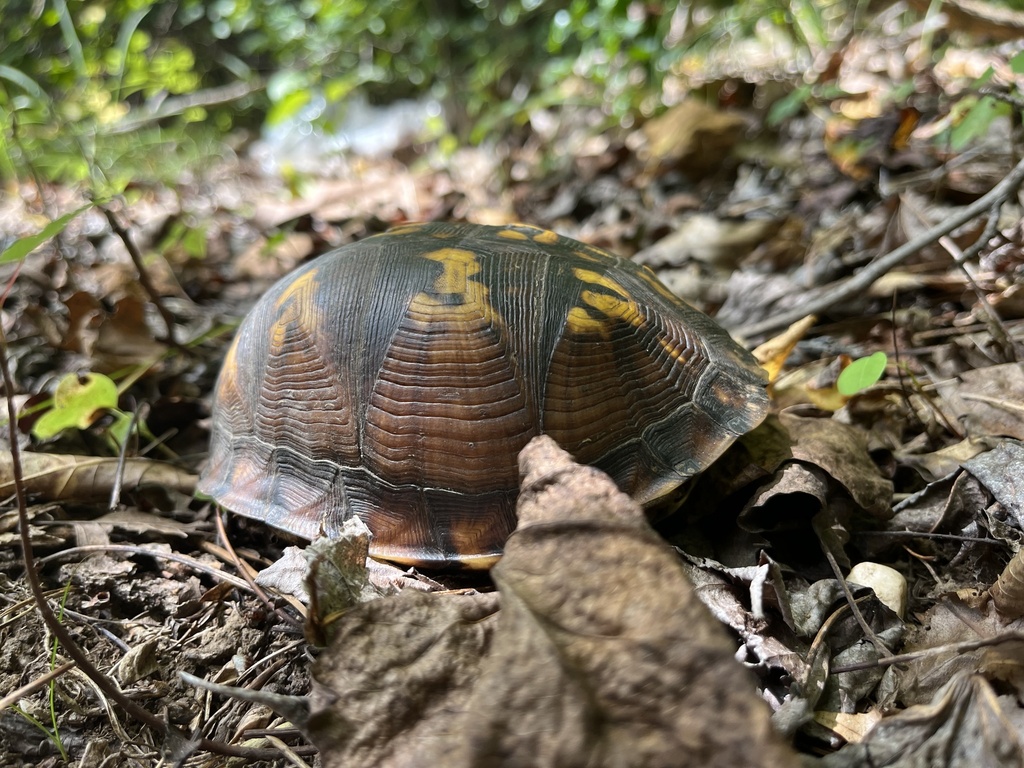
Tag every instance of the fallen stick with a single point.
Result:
(861, 281)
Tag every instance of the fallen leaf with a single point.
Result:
(1006, 487)
(772, 354)
(594, 652)
(691, 136)
(719, 242)
(126, 339)
(842, 451)
(988, 401)
(59, 476)
(964, 727)
(78, 401)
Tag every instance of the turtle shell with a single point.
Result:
(397, 379)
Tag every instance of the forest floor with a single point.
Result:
(867, 246)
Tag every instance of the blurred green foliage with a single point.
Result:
(71, 71)
(113, 91)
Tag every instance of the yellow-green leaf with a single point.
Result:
(861, 374)
(77, 402)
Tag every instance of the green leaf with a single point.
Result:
(861, 374)
(788, 105)
(975, 123)
(76, 403)
(29, 85)
(1017, 63)
(23, 246)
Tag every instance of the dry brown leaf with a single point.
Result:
(818, 454)
(600, 654)
(943, 462)
(692, 136)
(125, 338)
(842, 451)
(938, 643)
(964, 727)
(851, 727)
(988, 401)
(948, 504)
(719, 242)
(772, 354)
(58, 476)
(999, 470)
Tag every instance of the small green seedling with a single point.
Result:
(76, 403)
(861, 374)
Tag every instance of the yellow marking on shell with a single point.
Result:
(405, 229)
(603, 281)
(599, 253)
(229, 370)
(297, 289)
(546, 237)
(612, 306)
(591, 255)
(579, 320)
(675, 351)
(512, 234)
(652, 280)
(294, 306)
(459, 266)
(616, 305)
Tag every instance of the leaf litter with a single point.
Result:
(590, 647)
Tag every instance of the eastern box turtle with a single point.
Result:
(398, 378)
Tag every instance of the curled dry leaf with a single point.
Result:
(338, 578)
(58, 476)
(963, 727)
(842, 452)
(598, 654)
(1008, 591)
(994, 469)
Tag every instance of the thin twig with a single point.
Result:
(144, 279)
(29, 688)
(176, 105)
(996, 325)
(955, 648)
(862, 280)
(246, 572)
(32, 573)
(851, 601)
(132, 549)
